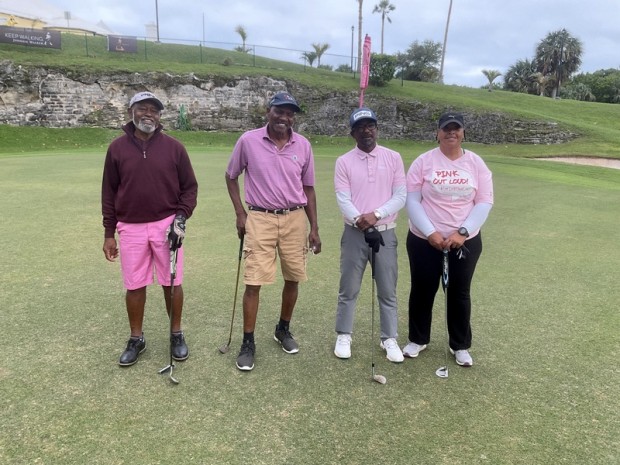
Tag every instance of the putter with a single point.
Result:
(442, 372)
(226, 347)
(173, 274)
(378, 378)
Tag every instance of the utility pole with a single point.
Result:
(352, 30)
(157, 19)
(445, 41)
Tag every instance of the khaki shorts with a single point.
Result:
(266, 233)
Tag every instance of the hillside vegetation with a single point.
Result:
(596, 123)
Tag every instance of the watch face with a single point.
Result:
(463, 232)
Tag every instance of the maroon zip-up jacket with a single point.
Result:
(145, 181)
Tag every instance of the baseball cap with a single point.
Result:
(140, 96)
(360, 114)
(448, 118)
(284, 98)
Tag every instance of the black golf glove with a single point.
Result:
(374, 239)
(176, 232)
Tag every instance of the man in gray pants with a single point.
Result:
(370, 190)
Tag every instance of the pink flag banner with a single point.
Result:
(365, 71)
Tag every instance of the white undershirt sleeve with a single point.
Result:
(417, 215)
(346, 206)
(477, 216)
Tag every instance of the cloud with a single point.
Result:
(482, 34)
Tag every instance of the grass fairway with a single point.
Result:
(544, 388)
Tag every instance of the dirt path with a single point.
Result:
(591, 161)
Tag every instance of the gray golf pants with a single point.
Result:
(354, 256)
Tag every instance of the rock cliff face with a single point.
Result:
(31, 96)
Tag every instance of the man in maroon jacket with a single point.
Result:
(148, 192)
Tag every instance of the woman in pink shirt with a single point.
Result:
(449, 196)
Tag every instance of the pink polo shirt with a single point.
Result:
(273, 178)
(370, 178)
(450, 189)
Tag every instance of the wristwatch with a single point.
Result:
(463, 231)
(377, 215)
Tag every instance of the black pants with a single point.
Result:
(425, 264)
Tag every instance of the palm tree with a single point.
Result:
(319, 49)
(542, 82)
(359, 36)
(518, 78)
(244, 35)
(491, 74)
(559, 55)
(309, 57)
(384, 7)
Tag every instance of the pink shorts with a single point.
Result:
(144, 247)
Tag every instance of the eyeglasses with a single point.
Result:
(365, 127)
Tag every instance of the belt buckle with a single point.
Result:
(282, 211)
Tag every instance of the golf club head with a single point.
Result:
(173, 379)
(224, 349)
(442, 372)
(379, 379)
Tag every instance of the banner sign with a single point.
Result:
(122, 44)
(29, 37)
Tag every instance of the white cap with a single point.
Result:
(140, 96)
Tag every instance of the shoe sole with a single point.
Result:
(179, 359)
(135, 361)
(245, 368)
(466, 365)
(294, 351)
(343, 357)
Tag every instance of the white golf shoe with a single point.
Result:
(343, 346)
(412, 350)
(462, 357)
(393, 352)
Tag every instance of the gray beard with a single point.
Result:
(146, 128)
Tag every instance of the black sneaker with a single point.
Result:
(285, 338)
(180, 351)
(245, 359)
(135, 346)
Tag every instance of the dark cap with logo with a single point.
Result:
(284, 98)
(360, 114)
(450, 117)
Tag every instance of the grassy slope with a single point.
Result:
(596, 123)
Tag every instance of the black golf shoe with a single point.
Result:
(285, 338)
(180, 351)
(245, 359)
(135, 346)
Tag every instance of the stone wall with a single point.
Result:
(31, 96)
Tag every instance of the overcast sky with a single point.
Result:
(483, 34)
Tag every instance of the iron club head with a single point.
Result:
(379, 379)
(224, 349)
(442, 372)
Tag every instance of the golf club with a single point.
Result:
(226, 347)
(378, 378)
(442, 372)
(173, 274)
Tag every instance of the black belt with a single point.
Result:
(280, 211)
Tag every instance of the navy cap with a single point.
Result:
(284, 98)
(360, 114)
(448, 118)
(140, 96)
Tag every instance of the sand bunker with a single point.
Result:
(590, 161)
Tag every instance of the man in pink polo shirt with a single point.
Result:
(370, 190)
(279, 188)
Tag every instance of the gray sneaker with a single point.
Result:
(462, 357)
(245, 359)
(285, 338)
